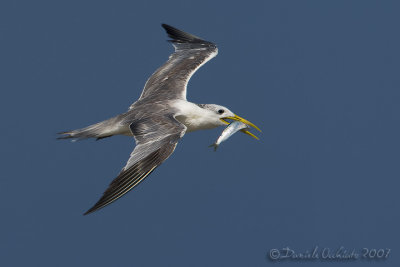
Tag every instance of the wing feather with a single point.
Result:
(171, 79)
(153, 147)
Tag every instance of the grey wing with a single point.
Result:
(156, 139)
(171, 79)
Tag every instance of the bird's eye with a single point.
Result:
(221, 111)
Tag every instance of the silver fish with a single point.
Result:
(231, 130)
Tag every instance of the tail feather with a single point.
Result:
(99, 130)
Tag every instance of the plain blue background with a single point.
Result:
(320, 78)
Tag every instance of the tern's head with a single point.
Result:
(217, 112)
(221, 114)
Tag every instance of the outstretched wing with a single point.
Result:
(171, 79)
(156, 139)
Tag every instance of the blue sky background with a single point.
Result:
(320, 78)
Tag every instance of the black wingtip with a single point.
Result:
(88, 212)
(181, 36)
(95, 207)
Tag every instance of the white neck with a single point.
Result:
(196, 118)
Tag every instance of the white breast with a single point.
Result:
(194, 117)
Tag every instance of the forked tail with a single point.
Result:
(99, 130)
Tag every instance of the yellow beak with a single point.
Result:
(237, 118)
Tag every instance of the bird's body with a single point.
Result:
(161, 116)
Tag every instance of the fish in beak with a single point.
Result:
(237, 118)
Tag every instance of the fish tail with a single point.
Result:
(215, 146)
